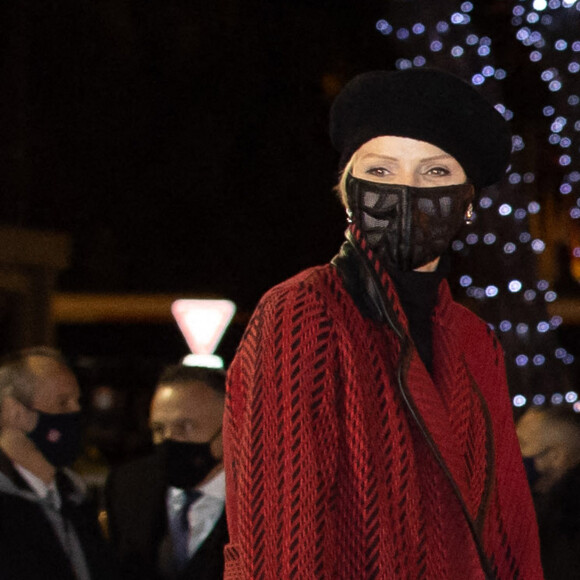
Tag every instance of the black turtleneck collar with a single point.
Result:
(418, 292)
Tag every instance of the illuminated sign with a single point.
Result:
(203, 322)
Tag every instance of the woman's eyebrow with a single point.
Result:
(368, 156)
(443, 156)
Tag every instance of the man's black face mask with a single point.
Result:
(57, 436)
(187, 463)
(407, 227)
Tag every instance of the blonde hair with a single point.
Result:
(340, 188)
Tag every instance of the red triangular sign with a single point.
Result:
(203, 322)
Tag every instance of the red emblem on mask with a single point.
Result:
(53, 435)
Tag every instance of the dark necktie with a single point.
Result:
(179, 529)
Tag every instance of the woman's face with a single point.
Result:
(405, 161)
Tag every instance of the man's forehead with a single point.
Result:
(183, 399)
(40, 365)
(530, 425)
(53, 373)
(189, 390)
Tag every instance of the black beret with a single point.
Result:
(428, 105)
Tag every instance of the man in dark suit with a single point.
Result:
(48, 529)
(166, 511)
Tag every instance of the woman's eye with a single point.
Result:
(378, 171)
(439, 171)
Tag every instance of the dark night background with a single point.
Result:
(183, 145)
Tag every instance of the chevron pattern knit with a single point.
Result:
(346, 460)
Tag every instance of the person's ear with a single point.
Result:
(14, 415)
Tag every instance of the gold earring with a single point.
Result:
(469, 214)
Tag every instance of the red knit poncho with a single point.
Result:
(345, 459)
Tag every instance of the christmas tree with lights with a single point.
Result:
(532, 79)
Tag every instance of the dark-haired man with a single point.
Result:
(48, 529)
(166, 511)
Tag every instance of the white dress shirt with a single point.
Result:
(203, 513)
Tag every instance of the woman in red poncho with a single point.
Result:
(368, 429)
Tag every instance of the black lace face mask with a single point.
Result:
(407, 227)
